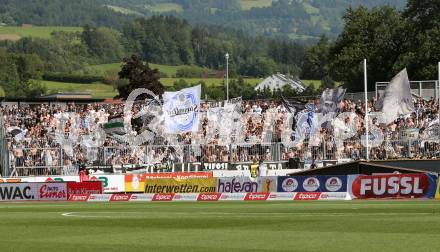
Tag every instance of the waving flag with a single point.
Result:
(397, 99)
(182, 110)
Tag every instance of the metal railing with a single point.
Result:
(54, 161)
(4, 157)
(423, 89)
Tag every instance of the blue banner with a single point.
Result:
(312, 184)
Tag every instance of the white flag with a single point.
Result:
(181, 110)
(397, 99)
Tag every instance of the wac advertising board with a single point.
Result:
(33, 191)
(312, 184)
(397, 186)
(176, 185)
(246, 184)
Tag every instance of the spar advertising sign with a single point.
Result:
(33, 191)
(312, 184)
(246, 185)
(111, 183)
(418, 185)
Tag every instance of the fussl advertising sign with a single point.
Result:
(418, 185)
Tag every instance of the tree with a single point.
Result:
(316, 60)
(16, 73)
(139, 75)
(372, 34)
(422, 51)
(104, 44)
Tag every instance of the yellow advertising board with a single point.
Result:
(177, 185)
(437, 192)
(134, 182)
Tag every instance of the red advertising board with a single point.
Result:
(163, 197)
(391, 186)
(208, 196)
(120, 197)
(88, 187)
(78, 197)
(256, 196)
(307, 196)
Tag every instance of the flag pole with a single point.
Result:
(438, 95)
(367, 137)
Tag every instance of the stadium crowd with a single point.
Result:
(37, 135)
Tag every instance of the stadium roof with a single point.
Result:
(364, 167)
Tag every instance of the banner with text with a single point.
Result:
(246, 184)
(176, 185)
(111, 183)
(33, 191)
(398, 186)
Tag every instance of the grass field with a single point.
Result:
(97, 90)
(164, 7)
(35, 31)
(249, 4)
(100, 90)
(222, 226)
(123, 10)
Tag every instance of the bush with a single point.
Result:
(72, 78)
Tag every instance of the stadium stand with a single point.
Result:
(37, 138)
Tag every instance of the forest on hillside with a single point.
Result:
(304, 20)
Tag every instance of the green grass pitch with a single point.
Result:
(222, 226)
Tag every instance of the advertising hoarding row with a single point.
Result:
(379, 186)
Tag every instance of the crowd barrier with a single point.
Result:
(203, 186)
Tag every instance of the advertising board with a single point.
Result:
(99, 198)
(312, 184)
(281, 196)
(32, 191)
(135, 182)
(87, 187)
(246, 184)
(175, 185)
(141, 197)
(111, 183)
(232, 196)
(163, 197)
(209, 196)
(416, 185)
(120, 197)
(179, 175)
(51, 191)
(437, 193)
(78, 197)
(185, 197)
(256, 196)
